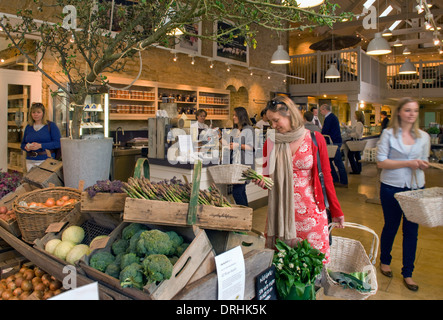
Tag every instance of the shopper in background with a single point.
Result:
(242, 150)
(307, 119)
(263, 121)
(384, 120)
(296, 204)
(315, 119)
(402, 154)
(40, 135)
(356, 133)
(331, 127)
(200, 116)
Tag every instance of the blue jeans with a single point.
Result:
(354, 159)
(393, 215)
(338, 161)
(239, 194)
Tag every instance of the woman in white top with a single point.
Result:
(402, 154)
(356, 133)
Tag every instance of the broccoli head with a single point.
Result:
(113, 270)
(127, 259)
(157, 267)
(120, 246)
(132, 276)
(133, 242)
(181, 248)
(101, 260)
(154, 242)
(176, 240)
(118, 258)
(132, 229)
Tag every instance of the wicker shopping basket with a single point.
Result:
(227, 173)
(349, 255)
(356, 145)
(332, 148)
(422, 206)
(33, 221)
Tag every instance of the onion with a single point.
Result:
(19, 280)
(12, 286)
(36, 280)
(40, 287)
(23, 269)
(26, 285)
(46, 279)
(17, 292)
(24, 295)
(7, 294)
(11, 278)
(38, 272)
(48, 294)
(29, 274)
(54, 285)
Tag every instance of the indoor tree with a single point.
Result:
(89, 38)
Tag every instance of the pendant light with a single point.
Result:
(406, 51)
(397, 43)
(280, 56)
(378, 46)
(407, 68)
(332, 72)
(386, 33)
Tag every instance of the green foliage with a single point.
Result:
(296, 266)
(433, 130)
(100, 260)
(157, 267)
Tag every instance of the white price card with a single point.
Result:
(231, 274)
(86, 292)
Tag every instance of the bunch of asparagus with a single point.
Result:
(173, 190)
(251, 174)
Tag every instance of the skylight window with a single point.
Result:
(368, 3)
(386, 12)
(394, 25)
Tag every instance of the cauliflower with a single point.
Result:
(132, 229)
(132, 276)
(128, 259)
(120, 246)
(154, 242)
(101, 260)
(157, 267)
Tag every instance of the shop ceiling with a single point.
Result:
(410, 28)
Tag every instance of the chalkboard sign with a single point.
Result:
(265, 287)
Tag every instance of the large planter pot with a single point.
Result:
(87, 160)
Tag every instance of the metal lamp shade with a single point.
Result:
(378, 46)
(407, 68)
(280, 56)
(332, 72)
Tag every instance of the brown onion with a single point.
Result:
(36, 280)
(48, 294)
(28, 274)
(17, 292)
(40, 287)
(26, 285)
(38, 272)
(54, 285)
(7, 294)
(10, 279)
(12, 286)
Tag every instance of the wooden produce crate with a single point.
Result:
(196, 262)
(10, 262)
(225, 240)
(94, 224)
(50, 172)
(104, 202)
(235, 218)
(7, 201)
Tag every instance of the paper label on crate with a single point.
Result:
(55, 227)
(99, 243)
(231, 274)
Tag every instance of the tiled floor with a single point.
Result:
(428, 271)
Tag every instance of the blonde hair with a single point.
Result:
(35, 106)
(287, 108)
(395, 122)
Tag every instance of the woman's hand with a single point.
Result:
(259, 182)
(33, 146)
(234, 145)
(423, 164)
(340, 221)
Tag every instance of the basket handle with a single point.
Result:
(375, 240)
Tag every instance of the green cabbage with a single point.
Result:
(63, 248)
(74, 234)
(77, 252)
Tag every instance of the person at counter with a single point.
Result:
(242, 150)
(384, 121)
(331, 127)
(356, 133)
(263, 121)
(40, 135)
(296, 204)
(402, 154)
(200, 116)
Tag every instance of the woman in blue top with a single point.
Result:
(40, 135)
(402, 154)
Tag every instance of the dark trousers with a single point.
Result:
(239, 194)
(354, 159)
(338, 161)
(393, 215)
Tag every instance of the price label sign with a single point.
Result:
(265, 287)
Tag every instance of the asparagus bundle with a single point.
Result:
(250, 174)
(173, 191)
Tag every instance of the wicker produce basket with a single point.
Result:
(227, 173)
(33, 221)
(422, 206)
(349, 255)
(356, 145)
(332, 148)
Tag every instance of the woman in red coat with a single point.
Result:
(296, 204)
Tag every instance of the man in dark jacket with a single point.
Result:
(331, 127)
(385, 120)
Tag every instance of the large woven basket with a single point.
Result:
(423, 206)
(227, 173)
(33, 221)
(332, 148)
(356, 145)
(349, 255)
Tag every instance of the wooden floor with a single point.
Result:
(428, 271)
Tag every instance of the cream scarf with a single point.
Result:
(281, 221)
